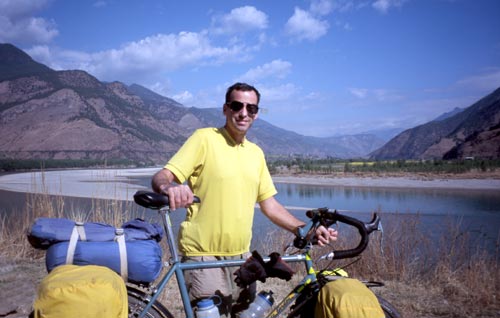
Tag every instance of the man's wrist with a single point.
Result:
(163, 187)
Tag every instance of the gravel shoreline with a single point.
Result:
(394, 182)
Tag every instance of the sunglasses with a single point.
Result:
(236, 106)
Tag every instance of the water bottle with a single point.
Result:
(207, 309)
(262, 303)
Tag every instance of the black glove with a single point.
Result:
(276, 267)
(253, 269)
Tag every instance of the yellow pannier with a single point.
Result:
(347, 298)
(81, 291)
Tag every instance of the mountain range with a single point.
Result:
(473, 132)
(70, 114)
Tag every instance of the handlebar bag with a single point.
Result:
(81, 291)
(48, 231)
(347, 297)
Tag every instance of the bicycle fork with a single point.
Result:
(309, 279)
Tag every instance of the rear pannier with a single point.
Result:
(81, 291)
(132, 251)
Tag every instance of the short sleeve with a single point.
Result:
(188, 157)
(266, 186)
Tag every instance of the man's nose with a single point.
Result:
(243, 111)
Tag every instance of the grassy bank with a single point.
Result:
(448, 277)
(331, 166)
(10, 165)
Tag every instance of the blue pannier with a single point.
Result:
(143, 257)
(48, 231)
(132, 251)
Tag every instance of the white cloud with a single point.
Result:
(161, 88)
(343, 25)
(384, 5)
(19, 26)
(359, 92)
(277, 68)
(379, 94)
(321, 7)
(21, 8)
(60, 59)
(386, 95)
(348, 5)
(240, 20)
(147, 57)
(343, 5)
(184, 97)
(304, 26)
(278, 93)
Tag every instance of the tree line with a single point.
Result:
(9, 165)
(280, 165)
(332, 166)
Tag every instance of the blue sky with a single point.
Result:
(323, 67)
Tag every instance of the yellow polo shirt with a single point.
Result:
(229, 178)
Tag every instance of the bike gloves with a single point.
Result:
(256, 269)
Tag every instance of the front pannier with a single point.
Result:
(346, 297)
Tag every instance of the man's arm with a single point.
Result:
(162, 180)
(165, 182)
(281, 217)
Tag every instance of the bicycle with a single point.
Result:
(145, 303)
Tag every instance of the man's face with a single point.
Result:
(238, 122)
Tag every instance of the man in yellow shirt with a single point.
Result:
(229, 174)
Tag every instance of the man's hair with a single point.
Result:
(241, 87)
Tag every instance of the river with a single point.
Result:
(475, 203)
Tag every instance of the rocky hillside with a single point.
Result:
(47, 114)
(472, 132)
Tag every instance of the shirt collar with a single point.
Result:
(230, 139)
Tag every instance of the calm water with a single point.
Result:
(422, 201)
(478, 210)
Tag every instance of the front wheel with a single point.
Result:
(388, 308)
(137, 301)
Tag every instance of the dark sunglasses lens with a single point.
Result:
(236, 106)
(252, 109)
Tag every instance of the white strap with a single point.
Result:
(120, 238)
(78, 232)
(81, 231)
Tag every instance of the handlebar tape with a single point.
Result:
(327, 218)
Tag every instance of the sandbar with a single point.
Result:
(118, 183)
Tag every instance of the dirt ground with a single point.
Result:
(19, 280)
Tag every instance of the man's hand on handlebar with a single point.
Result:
(326, 235)
(180, 195)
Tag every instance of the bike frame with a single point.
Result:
(177, 268)
(303, 241)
